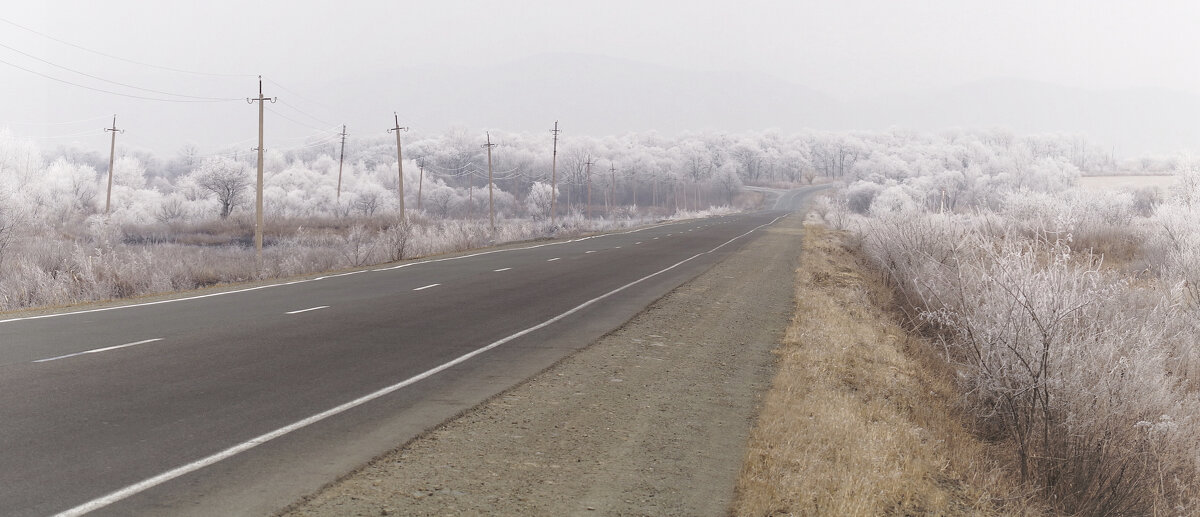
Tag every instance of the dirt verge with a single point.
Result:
(653, 419)
(861, 418)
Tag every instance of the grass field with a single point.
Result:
(861, 418)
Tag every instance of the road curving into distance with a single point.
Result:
(240, 402)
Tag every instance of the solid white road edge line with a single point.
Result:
(146, 484)
(426, 287)
(309, 309)
(98, 350)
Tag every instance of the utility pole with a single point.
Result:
(491, 209)
(399, 161)
(420, 181)
(654, 192)
(112, 156)
(258, 200)
(588, 163)
(612, 183)
(633, 180)
(554, 174)
(341, 158)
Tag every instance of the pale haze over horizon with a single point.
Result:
(355, 62)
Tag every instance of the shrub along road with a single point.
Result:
(242, 401)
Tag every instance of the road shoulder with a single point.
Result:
(651, 419)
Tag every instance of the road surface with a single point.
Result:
(239, 402)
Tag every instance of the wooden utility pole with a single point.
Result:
(112, 156)
(633, 180)
(654, 192)
(612, 184)
(588, 163)
(341, 158)
(491, 208)
(420, 181)
(399, 161)
(258, 200)
(554, 174)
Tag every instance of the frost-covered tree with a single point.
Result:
(537, 203)
(225, 178)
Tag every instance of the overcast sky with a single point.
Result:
(849, 49)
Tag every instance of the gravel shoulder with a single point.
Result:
(652, 419)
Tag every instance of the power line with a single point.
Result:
(67, 123)
(110, 92)
(55, 137)
(85, 74)
(293, 92)
(305, 113)
(297, 122)
(118, 58)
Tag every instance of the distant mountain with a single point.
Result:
(590, 95)
(599, 95)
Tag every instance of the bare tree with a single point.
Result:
(225, 178)
(367, 203)
(172, 209)
(397, 238)
(749, 159)
(729, 182)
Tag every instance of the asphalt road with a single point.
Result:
(240, 402)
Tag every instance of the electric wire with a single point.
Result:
(71, 135)
(67, 123)
(293, 92)
(52, 78)
(305, 113)
(85, 74)
(110, 56)
(297, 122)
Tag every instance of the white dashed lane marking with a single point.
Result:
(105, 349)
(307, 310)
(426, 287)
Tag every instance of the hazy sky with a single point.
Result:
(848, 49)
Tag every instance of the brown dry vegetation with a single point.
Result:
(861, 417)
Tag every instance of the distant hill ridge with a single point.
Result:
(602, 95)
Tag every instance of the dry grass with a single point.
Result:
(860, 419)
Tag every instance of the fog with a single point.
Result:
(1123, 71)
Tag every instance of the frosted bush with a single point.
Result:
(860, 195)
(1069, 362)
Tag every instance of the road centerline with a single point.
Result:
(98, 350)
